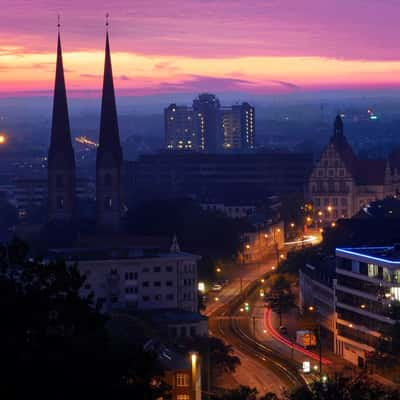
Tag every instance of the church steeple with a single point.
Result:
(338, 126)
(61, 157)
(109, 132)
(109, 154)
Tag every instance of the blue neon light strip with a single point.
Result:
(385, 260)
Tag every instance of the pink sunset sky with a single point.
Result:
(167, 46)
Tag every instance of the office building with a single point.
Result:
(367, 287)
(217, 178)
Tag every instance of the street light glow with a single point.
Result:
(2, 138)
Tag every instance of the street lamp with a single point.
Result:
(313, 309)
(3, 139)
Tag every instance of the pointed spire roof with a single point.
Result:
(175, 245)
(60, 143)
(109, 141)
(338, 126)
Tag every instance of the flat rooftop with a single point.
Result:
(120, 253)
(388, 255)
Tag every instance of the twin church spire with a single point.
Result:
(61, 158)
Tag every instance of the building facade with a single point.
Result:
(217, 178)
(238, 122)
(367, 286)
(208, 127)
(142, 279)
(180, 128)
(341, 183)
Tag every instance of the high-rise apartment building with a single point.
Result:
(208, 127)
(238, 122)
(180, 132)
(207, 117)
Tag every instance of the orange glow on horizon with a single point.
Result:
(143, 72)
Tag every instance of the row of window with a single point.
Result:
(334, 201)
(157, 283)
(158, 297)
(330, 187)
(330, 172)
(130, 276)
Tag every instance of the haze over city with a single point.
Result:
(200, 200)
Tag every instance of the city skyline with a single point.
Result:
(257, 48)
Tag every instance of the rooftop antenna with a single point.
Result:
(58, 23)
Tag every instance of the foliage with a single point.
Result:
(279, 295)
(222, 358)
(245, 393)
(54, 340)
(345, 388)
(8, 215)
(241, 393)
(198, 230)
(297, 259)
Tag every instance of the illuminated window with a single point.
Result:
(182, 380)
(182, 397)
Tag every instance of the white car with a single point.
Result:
(216, 287)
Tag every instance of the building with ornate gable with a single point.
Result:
(341, 183)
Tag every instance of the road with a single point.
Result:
(261, 367)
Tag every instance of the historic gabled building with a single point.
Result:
(109, 156)
(340, 183)
(61, 157)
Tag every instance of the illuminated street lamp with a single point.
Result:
(218, 269)
(320, 213)
(3, 139)
(313, 309)
(292, 225)
(266, 236)
(247, 246)
(333, 224)
(329, 208)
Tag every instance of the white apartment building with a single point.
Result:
(143, 279)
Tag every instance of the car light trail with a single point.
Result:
(307, 239)
(267, 321)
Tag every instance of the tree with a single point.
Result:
(206, 232)
(344, 388)
(279, 297)
(222, 357)
(8, 215)
(241, 393)
(54, 342)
